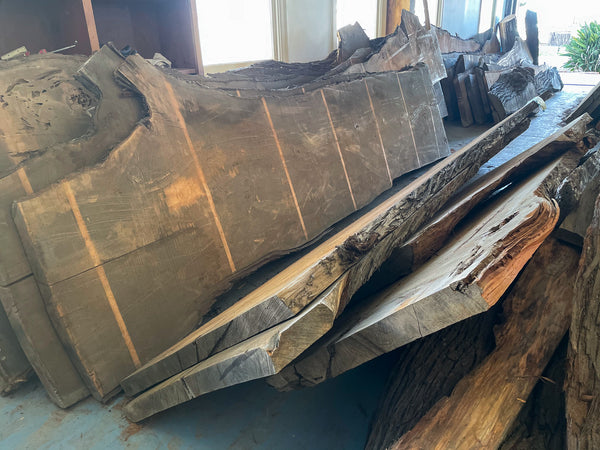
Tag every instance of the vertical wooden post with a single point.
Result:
(90, 22)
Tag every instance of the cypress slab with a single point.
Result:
(348, 259)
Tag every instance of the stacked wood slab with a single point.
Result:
(149, 193)
(489, 79)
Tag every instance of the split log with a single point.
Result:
(427, 370)
(447, 85)
(14, 367)
(258, 357)
(450, 43)
(507, 29)
(512, 90)
(80, 114)
(467, 277)
(474, 98)
(367, 242)
(484, 404)
(582, 385)
(590, 104)
(182, 181)
(532, 38)
(25, 308)
(492, 46)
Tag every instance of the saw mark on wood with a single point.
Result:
(24, 181)
(339, 149)
(409, 121)
(200, 173)
(285, 168)
(101, 273)
(379, 132)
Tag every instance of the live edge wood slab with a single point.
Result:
(208, 187)
(59, 114)
(286, 294)
(466, 277)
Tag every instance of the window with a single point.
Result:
(365, 12)
(235, 31)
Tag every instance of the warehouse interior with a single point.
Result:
(265, 224)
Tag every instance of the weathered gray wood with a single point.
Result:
(465, 278)
(590, 104)
(351, 38)
(26, 314)
(462, 98)
(512, 91)
(112, 112)
(582, 386)
(531, 30)
(286, 165)
(548, 81)
(14, 367)
(518, 55)
(507, 29)
(362, 248)
(450, 43)
(484, 404)
(258, 357)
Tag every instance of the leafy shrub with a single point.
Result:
(583, 50)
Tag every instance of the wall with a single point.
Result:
(310, 33)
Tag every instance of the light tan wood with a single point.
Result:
(483, 405)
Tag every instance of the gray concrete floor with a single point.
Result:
(334, 415)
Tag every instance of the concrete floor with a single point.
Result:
(334, 415)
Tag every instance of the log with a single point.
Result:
(484, 404)
(507, 29)
(541, 424)
(547, 82)
(532, 38)
(465, 278)
(295, 287)
(258, 357)
(518, 55)
(81, 113)
(512, 90)
(180, 203)
(474, 97)
(426, 371)
(582, 385)
(351, 38)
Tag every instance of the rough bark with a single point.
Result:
(582, 385)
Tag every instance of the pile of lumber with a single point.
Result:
(136, 202)
(494, 74)
(132, 197)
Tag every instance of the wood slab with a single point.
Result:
(14, 367)
(484, 404)
(467, 277)
(79, 112)
(160, 218)
(450, 43)
(26, 314)
(590, 104)
(348, 259)
(258, 357)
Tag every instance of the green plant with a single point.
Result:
(583, 50)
